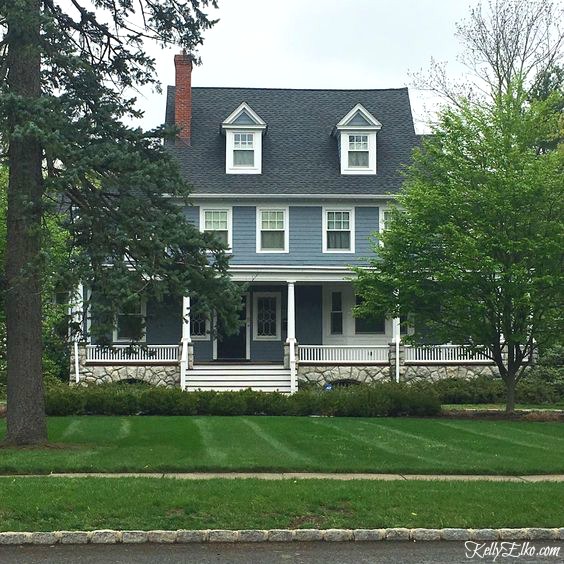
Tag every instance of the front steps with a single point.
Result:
(234, 377)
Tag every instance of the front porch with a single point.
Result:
(297, 330)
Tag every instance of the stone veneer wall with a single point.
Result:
(163, 375)
(324, 374)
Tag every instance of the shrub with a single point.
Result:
(359, 401)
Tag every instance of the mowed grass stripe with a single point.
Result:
(386, 445)
(274, 444)
(496, 436)
(380, 444)
(39, 504)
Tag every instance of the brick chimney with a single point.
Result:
(183, 96)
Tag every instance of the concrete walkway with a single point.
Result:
(297, 476)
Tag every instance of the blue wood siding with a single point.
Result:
(309, 327)
(305, 237)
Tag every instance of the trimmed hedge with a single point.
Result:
(362, 401)
(540, 386)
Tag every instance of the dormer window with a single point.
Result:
(243, 150)
(356, 137)
(243, 131)
(358, 151)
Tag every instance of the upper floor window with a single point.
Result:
(243, 150)
(338, 231)
(272, 230)
(243, 130)
(218, 221)
(356, 136)
(358, 151)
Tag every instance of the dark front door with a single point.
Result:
(234, 347)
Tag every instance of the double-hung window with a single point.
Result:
(370, 324)
(272, 230)
(358, 156)
(243, 150)
(336, 313)
(339, 231)
(218, 222)
(130, 322)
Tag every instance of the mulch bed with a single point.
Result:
(498, 414)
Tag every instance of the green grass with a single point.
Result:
(145, 503)
(148, 444)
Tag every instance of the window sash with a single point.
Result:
(338, 220)
(358, 159)
(243, 141)
(215, 220)
(336, 313)
(198, 325)
(369, 325)
(267, 316)
(340, 240)
(244, 157)
(272, 230)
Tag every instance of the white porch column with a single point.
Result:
(186, 340)
(291, 338)
(396, 336)
(77, 310)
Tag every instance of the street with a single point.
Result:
(268, 553)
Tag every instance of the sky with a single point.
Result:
(320, 44)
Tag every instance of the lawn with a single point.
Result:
(403, 445)
(149, 503)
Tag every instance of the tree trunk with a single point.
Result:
(510, 399)
(26, 408)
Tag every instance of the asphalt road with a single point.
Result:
(268, 553)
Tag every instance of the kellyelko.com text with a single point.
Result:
(508, 549)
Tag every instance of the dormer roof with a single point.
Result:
(243, 117)
(359, 118)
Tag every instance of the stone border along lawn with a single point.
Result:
(182, 536)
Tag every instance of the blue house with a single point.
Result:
(295, 182)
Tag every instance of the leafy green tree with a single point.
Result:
(69, 70)
(474, 251)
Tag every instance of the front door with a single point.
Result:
(234, 347)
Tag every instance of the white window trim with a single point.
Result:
(286, 211)
(216, 207)
(344, 146)
(349, 335)
(278, 296)
(351, 211)
(143, 339)
(230, 168)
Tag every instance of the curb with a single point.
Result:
(107, 536)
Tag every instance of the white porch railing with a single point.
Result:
(438, 354)
(352, 354)
(155, 354)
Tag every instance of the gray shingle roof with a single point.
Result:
(299, 153)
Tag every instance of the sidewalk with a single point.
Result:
(297, 476)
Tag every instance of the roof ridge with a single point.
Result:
(402, 88)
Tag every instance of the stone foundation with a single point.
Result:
(432, 373)
(325, 374)
(156, 375)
